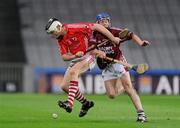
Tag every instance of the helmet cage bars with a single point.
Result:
(52, 24)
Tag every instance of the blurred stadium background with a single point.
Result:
(30, 61)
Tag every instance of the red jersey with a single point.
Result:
(76, 38)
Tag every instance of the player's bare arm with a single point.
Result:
(99, 53)
(104, 31)
(69, 57)
(139, 41)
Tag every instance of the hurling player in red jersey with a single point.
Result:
(73, 42)
(116, 77)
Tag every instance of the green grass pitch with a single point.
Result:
(34, 111)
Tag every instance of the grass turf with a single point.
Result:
(34, 111)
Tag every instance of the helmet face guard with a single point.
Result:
(52, 24)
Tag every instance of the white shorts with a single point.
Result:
(113, 71)
(89, 58)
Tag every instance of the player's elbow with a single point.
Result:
(97, 27)
(66, 57)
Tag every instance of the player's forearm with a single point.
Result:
(137, 39)
(67, 57)
(104, 31)
(98, 53)
(94, 52)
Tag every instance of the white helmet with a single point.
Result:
(52, 24)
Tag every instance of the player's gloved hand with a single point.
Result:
(145, 43)
(79, 54)
(100, 54)
(124, 33)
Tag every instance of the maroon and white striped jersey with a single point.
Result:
(110, 50)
